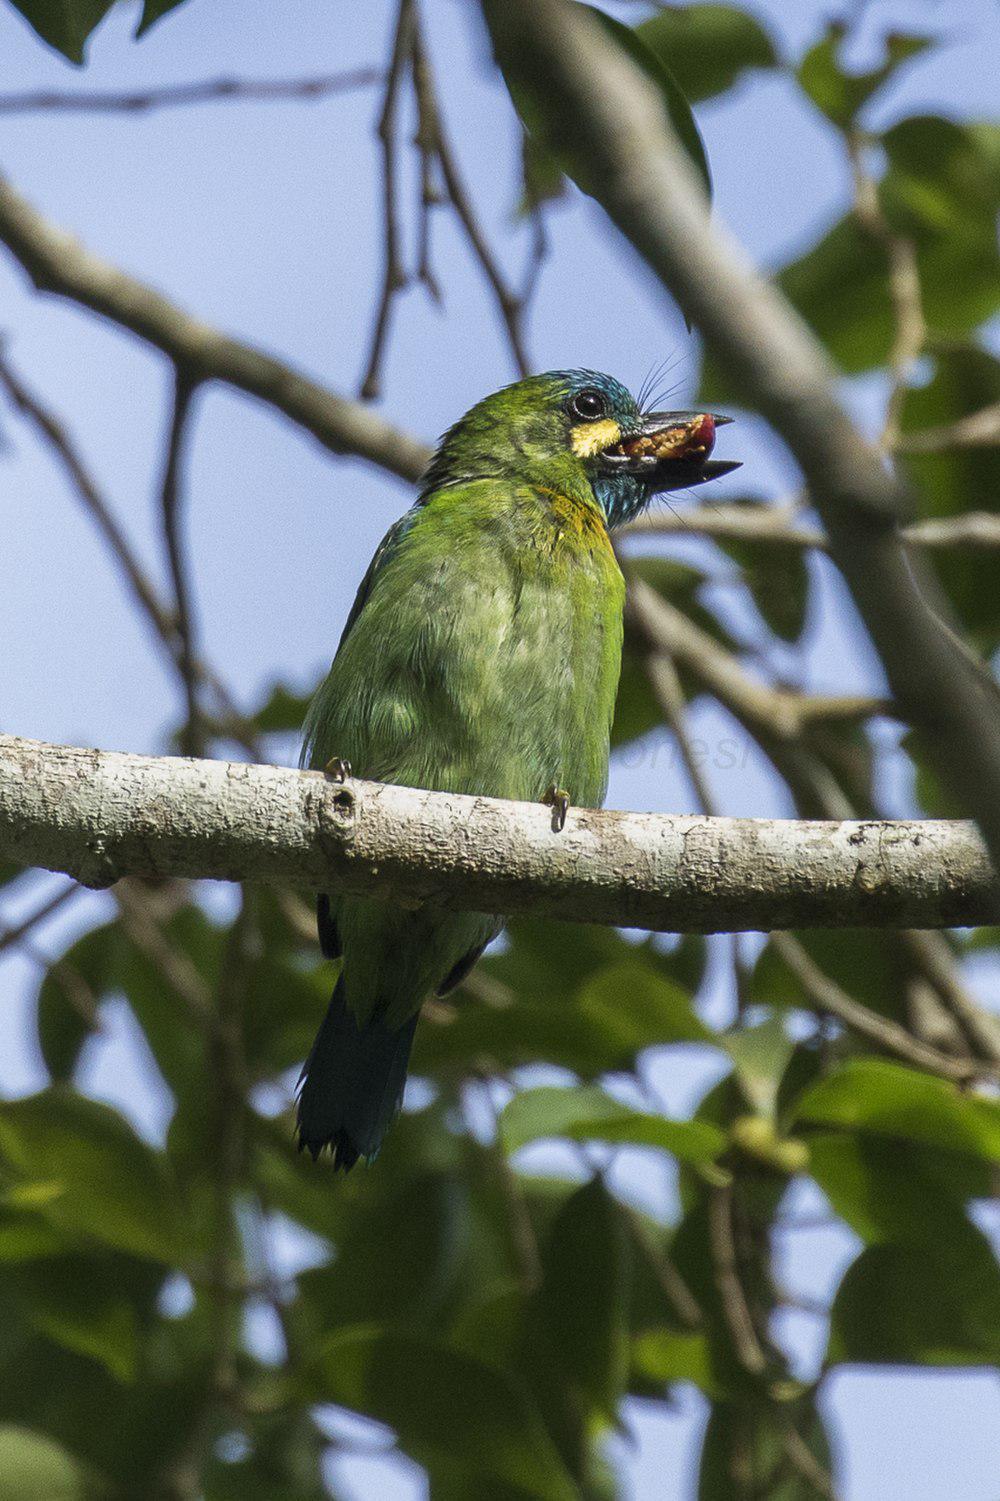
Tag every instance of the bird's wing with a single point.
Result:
(383, 553)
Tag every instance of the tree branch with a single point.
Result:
(781, 525)
(828, 998)
(99, 816)
(172, 96)
(58, 263)
(394, 274)
(602, 112)
(192, 740)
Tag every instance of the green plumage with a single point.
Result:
(482, 656)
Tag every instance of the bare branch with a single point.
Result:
(173, 96)
(739, 1321)
(603, 111)
(910, 328)
(781, 525)
(827, 997)
(62, 445)
(192, 738)
(778, 711)
(394, 276)
(979, 430)
(12, 936)
(510, 306)
(937, 963)
(57, 263)
(99, 815)
(162, 619)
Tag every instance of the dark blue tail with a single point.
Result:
(352, 1084)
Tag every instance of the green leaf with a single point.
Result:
(778, 580)
(381, 1276)
(64, 24)
(639, 1008)
(892, 1190)
(760, 1054)
(110, 1186)
(283, 709)
(448, 1406)
(553, 134)
(588, 1114)
(941, 189)
(34, 1468)
(581, 997)
(89, 1304)
(886, 1099)
(174, 1037)
(152, 10)
(583, 1299)
(933, 1303)
(841, 95)
(707, 47)
(669, 1355)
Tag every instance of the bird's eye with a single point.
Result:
(588, 405)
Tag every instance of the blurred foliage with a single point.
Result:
(495, 1318)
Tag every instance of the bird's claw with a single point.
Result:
(337, 769)
(558, 800)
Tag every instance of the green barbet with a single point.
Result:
(482, 656)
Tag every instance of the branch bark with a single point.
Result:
(783, 526)
(58, 263)
(603, 113)
(99, 816)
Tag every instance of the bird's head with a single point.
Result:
(581, 433)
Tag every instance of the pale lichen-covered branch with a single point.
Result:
(98, 816)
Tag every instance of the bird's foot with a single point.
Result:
(337, 769)
(558, 800)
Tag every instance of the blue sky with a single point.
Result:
(264, 220)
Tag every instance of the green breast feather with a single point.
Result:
(485, 654)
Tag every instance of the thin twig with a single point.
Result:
(511, 307)
(206, 91)
(75, 988)
(827, 997)
(801, 1458)
(62, 445)
(910, 328)
(162, 619)
(394, 275)
(780, 526)
(735, 1310)
(979, 430)
(141, 923)
(780, 711)
(938, 965)
(673, 1286)
(192, 738)
(12, 936)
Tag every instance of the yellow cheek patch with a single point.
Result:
(589, 438)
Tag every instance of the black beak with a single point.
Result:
(666, 473)
(681, 474)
